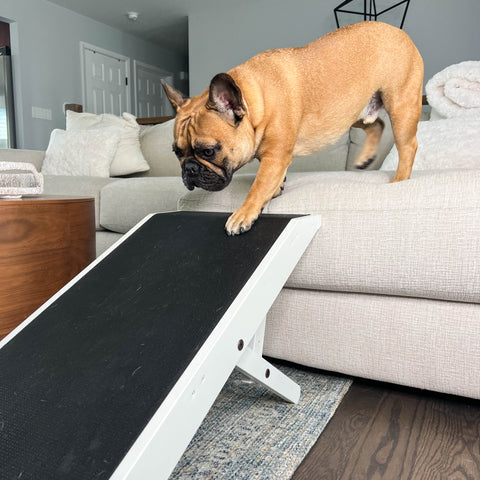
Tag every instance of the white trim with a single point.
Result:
(88, 46)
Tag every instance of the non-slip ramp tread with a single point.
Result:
(81, 381)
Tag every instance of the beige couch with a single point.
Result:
(389, 289)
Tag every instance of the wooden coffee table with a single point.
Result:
(44, 242)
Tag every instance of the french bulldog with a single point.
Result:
(290, 102)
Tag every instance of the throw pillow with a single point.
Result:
(81, 152)
(128, 158)
(449, 143)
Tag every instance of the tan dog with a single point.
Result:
(295, 101)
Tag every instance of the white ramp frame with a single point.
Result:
(257, 368)
(237, 340)
(167, 435)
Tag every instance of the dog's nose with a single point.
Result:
(191, 167)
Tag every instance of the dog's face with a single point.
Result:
(213, 137)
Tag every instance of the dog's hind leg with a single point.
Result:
(374, 134)
(405, 114)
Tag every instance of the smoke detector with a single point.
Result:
(132, 16)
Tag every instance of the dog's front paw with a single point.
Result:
(241, 221)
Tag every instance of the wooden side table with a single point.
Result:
(44, 242)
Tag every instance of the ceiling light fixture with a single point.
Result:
(132, 16)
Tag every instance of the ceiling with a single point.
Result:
(164, 22)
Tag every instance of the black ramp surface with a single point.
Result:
(80, 383)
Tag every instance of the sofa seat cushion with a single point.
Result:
(77, 186)
(125, 202)
(104, 240)
(416, 238)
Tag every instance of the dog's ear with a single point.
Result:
(177, 99)
(226, 98)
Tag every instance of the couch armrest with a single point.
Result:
(25, 156)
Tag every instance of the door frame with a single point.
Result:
(88, 46)
(153, 68)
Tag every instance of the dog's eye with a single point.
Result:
(208, 152)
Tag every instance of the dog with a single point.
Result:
(295, 101)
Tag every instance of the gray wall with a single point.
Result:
(445, 32)
(46, 61)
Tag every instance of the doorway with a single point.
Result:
(105, 80)
(150, 99)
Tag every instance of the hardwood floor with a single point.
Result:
(383, 432)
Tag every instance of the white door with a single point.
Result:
(105, 80)
(150, 98)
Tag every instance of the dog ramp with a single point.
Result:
(112, 376)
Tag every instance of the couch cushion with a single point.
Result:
(331, 158)
(156, 143)
(78, 186)
(124, 203)
(415, 238)
(104, 240)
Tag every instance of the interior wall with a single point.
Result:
(444, 31)
(45, 43)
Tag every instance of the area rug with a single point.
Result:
(250, 434)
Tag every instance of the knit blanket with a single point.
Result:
(446, 143)
(18, 178)
(455, 91)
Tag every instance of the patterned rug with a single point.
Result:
(250, 434)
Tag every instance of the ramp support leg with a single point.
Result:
(253, 365)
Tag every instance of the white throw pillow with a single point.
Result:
(128, 158)
(449, 143)
(81, 152)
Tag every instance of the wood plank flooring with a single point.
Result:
(383, 432)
